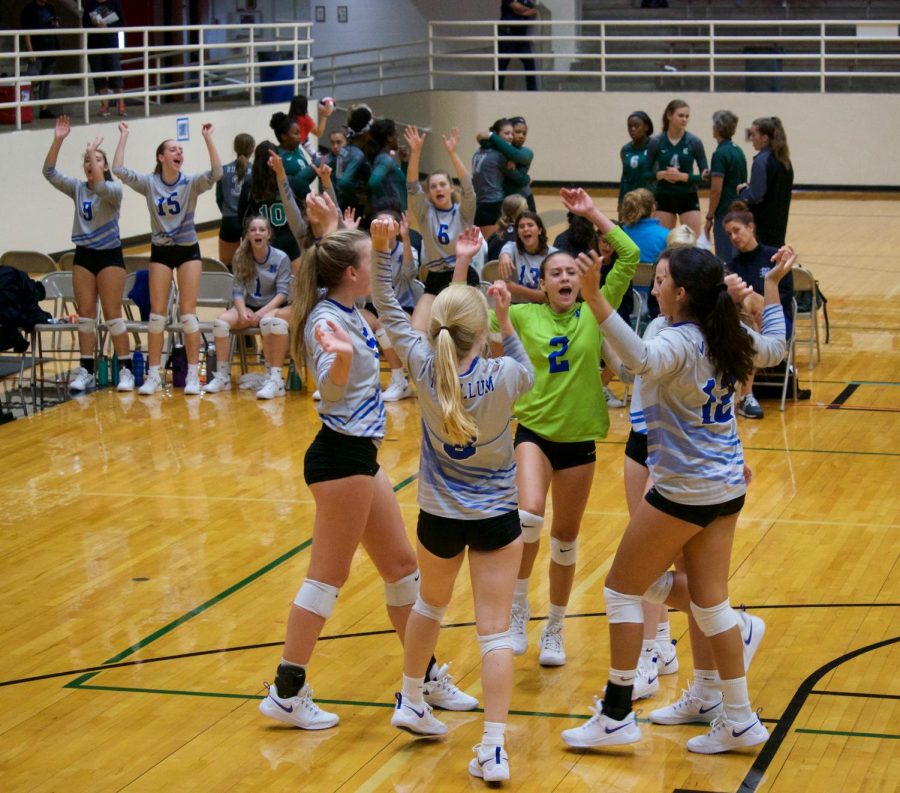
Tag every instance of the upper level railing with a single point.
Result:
(192, 62)
(861, 56)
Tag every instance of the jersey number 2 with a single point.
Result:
(557, 362)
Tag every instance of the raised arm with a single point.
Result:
(451, 142)
(215, 162)
(60, 133)
(119, 156)
(415, 140)
(468, 244)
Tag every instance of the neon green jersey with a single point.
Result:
(566, 403)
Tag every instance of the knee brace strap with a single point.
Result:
(157, 323)
(435, 613)
(715, 619)
(274, 326)
(383, 339)
(190, 323)
(563, 553)
(531, 526)
(221, 329)
(659, 590)
(403, 592)
(495, 641)
(87, 324)
(622, 608)
(116, 326)
(316, 597)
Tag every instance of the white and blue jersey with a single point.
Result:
(171, 205)
(228, 190)
(461, 482)
(527, 265)
(96, 223)
(636, 411)
(694, 454)
(273, 277)
(440, 227)
(354, 408)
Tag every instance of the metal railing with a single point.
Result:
(195, 62)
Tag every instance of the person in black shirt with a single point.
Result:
(41, 15)
(105, 15)
(514, 38)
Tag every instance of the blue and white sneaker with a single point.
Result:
(601, 730)
(490, 763)
(299, 711)
(416, 719)
(441, 692)
(690, 709)
(752, 631)
(725, 735)
(667, 657)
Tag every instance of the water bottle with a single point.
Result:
(114, 369)
(211, 361)
(103, 372)
(294, 383)
(178, 360)
(137, 366)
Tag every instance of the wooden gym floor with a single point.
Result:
(150, 549)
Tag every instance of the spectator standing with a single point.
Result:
(41, 15)
(514, 39)
(104, 15)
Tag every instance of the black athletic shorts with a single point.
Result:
(437, 282)
(487, 213)
(333, 455)
(699, 515)
(448, 537)
(95, 260)
(560, 455)
(287, 242)
(636, 448)
(230, 230)
(678, 203)
(174, 255)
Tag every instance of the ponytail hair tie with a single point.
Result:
(444, 327)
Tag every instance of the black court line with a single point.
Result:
(757, 771)
(841, 398)
(858, 694)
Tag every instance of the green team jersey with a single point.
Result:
(635, 169)
(662, 153)
(566, 403)
(728, 161)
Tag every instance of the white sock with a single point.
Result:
(193, 369)
(397, 376)
(275, 373)
(706, 684)
(736, 699)
(648, 650)
(622, 677)
(556, 614)
(413, 688)
(662, 632)
(151, 369)
(520, 598)
(223, 368)
(494, 733)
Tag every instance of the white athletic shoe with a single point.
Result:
(646, 680)
(690, 709)
(752, 631)
(152, 383)
(666, 658)
(317, 397)
(518, 624)
(220, 382)
(551, 644)
(441, 692)
(126, 380)
(299, 711)
(416, 719)
(612, 400)
(83, 381)
(272, 388)
(192, 385)
(725, 735)
(396, 391)
(601, 730)
(252, 381)
(490, 763)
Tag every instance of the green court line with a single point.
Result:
(79, 681)
(850, 734)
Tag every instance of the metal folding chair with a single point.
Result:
(805, 282)
(28, 261)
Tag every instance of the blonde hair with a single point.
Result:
(459, 321)
(322, 267)
(243, 265)
(512, 206)
(636, 205)
(681, 237)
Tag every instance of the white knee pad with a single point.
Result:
(116, 326)
(659, 590)
(622, 608)
(495, 641)
(87, 324)
(383, 339)
(274, 326)
(531, 526)
(316, 597)
(190, 323)
(402, 592)
(157, 323)
(715, 619)
(221, 329)
(563, 553)
(435, 613)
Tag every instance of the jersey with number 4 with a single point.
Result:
(694, 454)
(96, 223)
(171, 205)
